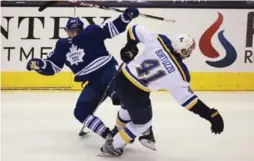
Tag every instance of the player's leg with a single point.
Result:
(138, 105)
(123, 117)
(141, 117)
(91, 97)
(85, 107)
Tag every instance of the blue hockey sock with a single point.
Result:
(96, 125)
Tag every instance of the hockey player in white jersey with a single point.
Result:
(159, 66)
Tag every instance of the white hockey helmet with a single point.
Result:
(184, 45)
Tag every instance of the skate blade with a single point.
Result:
(83, 133)
(106, 155)
(148, 144)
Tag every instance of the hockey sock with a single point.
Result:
(122, 119)
(129, 133)
(123, 137)
(120, 123)
(96, 125)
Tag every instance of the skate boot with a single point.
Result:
(148, 140)
(108, 150)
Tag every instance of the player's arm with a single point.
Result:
(186, 97)
(119, 25)
(53, 64)
(136, 34)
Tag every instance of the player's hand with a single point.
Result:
(130, 13)
(216, 121)
(35, 64)
(128, 54)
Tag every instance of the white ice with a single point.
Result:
(40, 126)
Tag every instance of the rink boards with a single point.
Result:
(223, 60)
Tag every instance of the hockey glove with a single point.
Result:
(216, 121)
(130, 13)
(128, 54)
(36, 64)
(210, 114)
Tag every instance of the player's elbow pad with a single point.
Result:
(202, 110)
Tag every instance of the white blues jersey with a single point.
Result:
(158, 67)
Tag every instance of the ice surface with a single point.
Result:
(40, 126)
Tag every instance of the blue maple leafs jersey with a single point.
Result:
(86, 54)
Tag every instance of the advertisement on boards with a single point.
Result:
(224, 37)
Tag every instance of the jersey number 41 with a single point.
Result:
(144, 71)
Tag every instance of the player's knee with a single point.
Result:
(81, 112)
(142, 116)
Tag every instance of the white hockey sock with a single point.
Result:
(128, 133)
(96, 125)
(123, 118)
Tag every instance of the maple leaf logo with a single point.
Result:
(75, 55)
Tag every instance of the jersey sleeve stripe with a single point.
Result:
(94, 65)
(54, 67)
(115, 29)
(134, 80)
(173, 58)
(110, 30)
(132, 33)
(190, 102)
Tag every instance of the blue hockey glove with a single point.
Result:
(36, 64)
(130, 13)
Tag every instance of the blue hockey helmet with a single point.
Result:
(74, 22)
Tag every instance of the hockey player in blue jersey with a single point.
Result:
(84, 52)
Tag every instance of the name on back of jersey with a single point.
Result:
(75, 55)
(165, 60)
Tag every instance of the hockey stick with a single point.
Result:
(78, 3)
(82, 132)
(46, 5)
